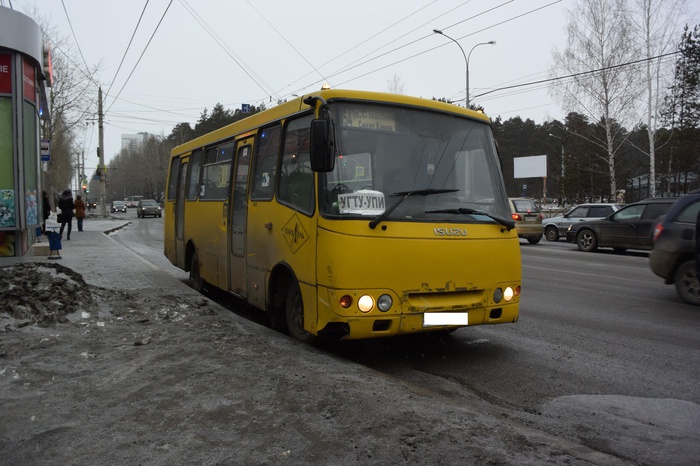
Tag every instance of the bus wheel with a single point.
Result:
(294, 309)
(195, 276)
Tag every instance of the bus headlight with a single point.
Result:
(365, 303)
(384, 302)
(497, 295)
(508, 294)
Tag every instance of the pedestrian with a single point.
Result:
(46, 210)
(65, 203)
(79, 211)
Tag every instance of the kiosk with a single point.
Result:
(24, 76)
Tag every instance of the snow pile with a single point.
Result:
(42, 294)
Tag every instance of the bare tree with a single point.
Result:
(395, 85)
(595, 81)
(72, 101)
(655, 26)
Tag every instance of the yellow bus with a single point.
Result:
(349, 215)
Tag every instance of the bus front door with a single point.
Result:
(237, 225)
(180, 216)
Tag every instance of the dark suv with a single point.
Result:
(673, 255)
(628, 228)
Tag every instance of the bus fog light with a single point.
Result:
(346, 301)
(365, 303)
(509, 293)
(384, 302)
(497, 295)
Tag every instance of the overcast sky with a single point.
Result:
(249, 51)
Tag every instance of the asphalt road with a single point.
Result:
(604, 352)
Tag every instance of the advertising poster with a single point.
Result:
(7, 208)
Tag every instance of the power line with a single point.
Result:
(141, 56)
(583, 73)
(285, 39)
(77, 44)
(128, 47)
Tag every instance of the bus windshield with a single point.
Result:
(387, 152)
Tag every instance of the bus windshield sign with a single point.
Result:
(363, 202)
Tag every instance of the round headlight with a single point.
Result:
(497, 295)
(365, 303)
(509, 293)
(384, 302)
(346, 301)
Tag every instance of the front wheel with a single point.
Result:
(586, 241)
(195, 273)
(687, 285)
(551, 233)
(294, 309)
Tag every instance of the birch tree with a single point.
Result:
(654, 26)
(594, 80)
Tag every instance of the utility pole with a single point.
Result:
(101, 149)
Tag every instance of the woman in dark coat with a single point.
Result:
(65, 203)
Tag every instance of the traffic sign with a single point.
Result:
(45, 150)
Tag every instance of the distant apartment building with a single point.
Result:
(134, 142)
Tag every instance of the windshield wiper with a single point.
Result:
(509, 224)
(406, 194)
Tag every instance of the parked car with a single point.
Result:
(118, 206)
(528, 219)
(555, 227)
(628, 228)
(674, 248)
(148, 207)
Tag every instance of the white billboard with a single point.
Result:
(534, 166)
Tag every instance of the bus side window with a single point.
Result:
(265, 162)
(193, 182)
(296, 186)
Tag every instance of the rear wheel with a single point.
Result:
(586, 241)
(551, 233)
(294, 309)
(534, 239)
(687, 285)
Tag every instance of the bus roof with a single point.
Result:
(297, 105)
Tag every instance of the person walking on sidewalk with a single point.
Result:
(65, 203)
(46, 210)
(79, 211)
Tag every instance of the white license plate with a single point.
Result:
(432, 319)
(530, 219)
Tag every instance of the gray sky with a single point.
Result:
(249, 51)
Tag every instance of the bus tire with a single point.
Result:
(294, 310)
(195, 275)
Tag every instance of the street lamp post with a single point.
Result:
(466, 59)
(491, 42)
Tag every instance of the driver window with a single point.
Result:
(578, 212)
(296, 183)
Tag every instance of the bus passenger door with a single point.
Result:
(179, 212)
(237, 224)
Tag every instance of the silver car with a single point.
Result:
(555, 227)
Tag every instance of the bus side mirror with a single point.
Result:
(322, 150)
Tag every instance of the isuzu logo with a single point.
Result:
(450, 231)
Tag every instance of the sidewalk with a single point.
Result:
(100, 259)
